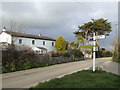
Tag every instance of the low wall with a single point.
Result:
(56, 60)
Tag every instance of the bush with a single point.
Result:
(4, 69)
(102, 49)
(11, 54)
(103, 53)
(99, 54)
(58, 54)
(14, 59)
(55, 54)
(106, 53)
(66, 54)
(116, 57)
(76, 53)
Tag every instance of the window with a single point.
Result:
(33, 42)
(36, 51)
(43, 42)
(20, 41)
(41, 51)
(52, 43)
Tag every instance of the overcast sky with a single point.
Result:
(58, 19)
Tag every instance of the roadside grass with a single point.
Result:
(23, 67)
(83, 79)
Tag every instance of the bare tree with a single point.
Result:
(14, 26)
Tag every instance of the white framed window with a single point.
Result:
(43, 42)
(52, 43)
(20, 41)
(41, 51)
(33, 42)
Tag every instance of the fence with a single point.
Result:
(56, 60)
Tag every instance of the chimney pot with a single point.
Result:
(4, 29)
(39, 34)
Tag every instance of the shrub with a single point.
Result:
(11, 54)
(66, 54)
(76, 53)
(55, 54)
(58, 54)
(116, 57)
(99, 54)
(102, 49)
(106, 53)
(27, 65)
(4, 69)
(103, 53)
(14, 59)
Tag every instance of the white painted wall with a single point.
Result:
(4, 37)
(38, 43)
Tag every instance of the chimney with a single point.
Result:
(4, 29)
(40, 34)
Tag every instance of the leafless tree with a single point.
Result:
(14, 26)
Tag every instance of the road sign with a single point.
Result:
(100, 37)
(95, 48)
(91, 42)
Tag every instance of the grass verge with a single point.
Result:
(83, 79)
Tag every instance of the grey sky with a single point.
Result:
(59, 19)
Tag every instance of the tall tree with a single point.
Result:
(60, 44)
(99, 26)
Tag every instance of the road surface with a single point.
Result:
(31, 77)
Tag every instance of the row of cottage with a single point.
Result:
(38, 43)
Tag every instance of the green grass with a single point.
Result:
(87, 47)
(23, 67)
(83, 79)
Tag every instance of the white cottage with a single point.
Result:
(39, 43)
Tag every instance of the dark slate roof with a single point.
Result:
(16, 34)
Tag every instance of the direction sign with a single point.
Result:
(95, 48)
(91, 42)
(100, 37)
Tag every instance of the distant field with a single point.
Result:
(83, 79)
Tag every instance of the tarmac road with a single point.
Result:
(31, 77)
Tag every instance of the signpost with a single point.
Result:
(100, 37)
(94, 44)
(96, 48)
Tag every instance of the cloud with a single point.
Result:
(57, 19)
